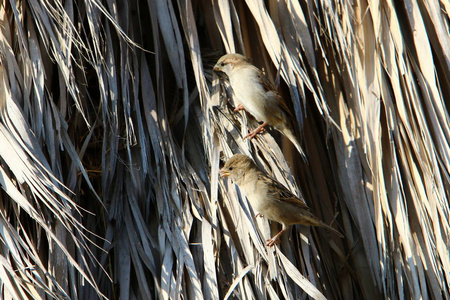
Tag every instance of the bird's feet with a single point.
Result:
(259, 215)
(275, 239)
(259, 129)
(238, 108)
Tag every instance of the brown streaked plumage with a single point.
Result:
(269, 197)
(258, 96)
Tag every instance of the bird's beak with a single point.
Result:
(217, 68)
(224, 172)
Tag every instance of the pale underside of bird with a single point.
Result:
(269, 197)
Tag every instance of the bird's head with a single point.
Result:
(236, 167)
(228, 62)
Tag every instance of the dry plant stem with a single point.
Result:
(259, 129)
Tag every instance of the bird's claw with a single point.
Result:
(273, 241)
(238, 108)
(259, 215)
(256, 131)
(250, 135)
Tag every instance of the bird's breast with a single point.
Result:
(250, 94)
(256, 195)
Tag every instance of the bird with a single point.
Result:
(269, 197)
(256, 94)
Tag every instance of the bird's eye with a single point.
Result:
(230, 168)
(222, 64)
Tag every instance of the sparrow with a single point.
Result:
(256, 94)
(269, 197)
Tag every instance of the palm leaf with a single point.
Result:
(113, 126)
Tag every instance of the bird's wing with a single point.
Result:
(283, 194)
(270, 87)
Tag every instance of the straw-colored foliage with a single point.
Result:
(113, 126)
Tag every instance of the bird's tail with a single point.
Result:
(309, 219)
(291, 136)
(322, 224)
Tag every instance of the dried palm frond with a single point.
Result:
(113, 127)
